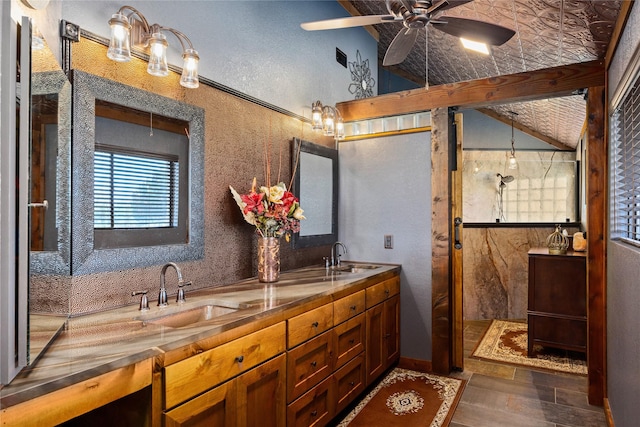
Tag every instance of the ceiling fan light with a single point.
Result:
(475, 46)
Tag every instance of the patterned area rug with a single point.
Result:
(506, 341)
(407, 398)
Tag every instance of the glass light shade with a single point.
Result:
(513, 163)
(158, 56)
(328, 121)
(339, 128)
(189, 78)
(119, 46)
(316, 116)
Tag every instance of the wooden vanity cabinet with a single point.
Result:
(557, 307)
(240, 383)
(382, 327)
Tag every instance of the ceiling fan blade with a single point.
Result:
(347, 22)
(471, 29)
(400, 46)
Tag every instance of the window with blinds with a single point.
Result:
(133, 190)
(625, 168)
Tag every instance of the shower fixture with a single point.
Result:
(504, 180)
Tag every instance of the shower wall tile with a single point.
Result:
(496, 270)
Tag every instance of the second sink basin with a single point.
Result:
(354, 268)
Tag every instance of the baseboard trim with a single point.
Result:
(607, 413)
(415, 364)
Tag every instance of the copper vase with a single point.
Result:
(268, 259)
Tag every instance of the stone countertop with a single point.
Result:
(93, 344)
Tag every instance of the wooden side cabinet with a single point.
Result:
(557, 309)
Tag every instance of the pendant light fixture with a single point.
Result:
(134, 29)
(513, 162)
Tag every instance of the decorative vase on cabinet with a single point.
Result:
(268, 259)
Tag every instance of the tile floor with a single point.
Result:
(499, 395)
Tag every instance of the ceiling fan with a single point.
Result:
(415, 15)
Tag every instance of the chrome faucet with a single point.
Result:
(162, 297)
(335, 255)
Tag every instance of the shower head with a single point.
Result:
(505, 179)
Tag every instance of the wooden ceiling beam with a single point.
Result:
(527, 86)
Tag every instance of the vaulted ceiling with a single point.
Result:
(549, 33)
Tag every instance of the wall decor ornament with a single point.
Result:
(363, 83)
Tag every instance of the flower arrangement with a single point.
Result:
(274, 211)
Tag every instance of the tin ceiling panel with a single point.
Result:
(549, 33)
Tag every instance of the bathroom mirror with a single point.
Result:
(316, 185)
(136, 118)
(49, 197)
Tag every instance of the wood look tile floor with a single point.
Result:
(501, 395)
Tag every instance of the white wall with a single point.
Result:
(256, 47)
(385, 188)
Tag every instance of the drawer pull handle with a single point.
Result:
(353, 308)
(240, 359)
(352, 340)
(314, 413)
(352, 383)
(386, 291)
(314, 363)
(315, 324)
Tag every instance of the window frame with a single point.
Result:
(85, 258)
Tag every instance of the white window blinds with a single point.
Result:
(133, 190)
(625, 168)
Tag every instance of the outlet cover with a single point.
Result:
(388, 241)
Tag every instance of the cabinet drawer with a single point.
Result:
(349, 339)
(308, 364)
(350, 382)
(348, 307)
(308, 325)
(216, 407)
(201, 372)
(381, 291)
(315, 408)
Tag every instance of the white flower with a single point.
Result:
(275, 193)
(297, 214)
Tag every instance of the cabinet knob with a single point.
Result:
(240, 359)
(315, 324)
(352, 383)
(386, 292)
(353, 308)
(352, 340)
(314, 363)
(314, 413)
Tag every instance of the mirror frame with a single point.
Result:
(59, 261)
(84, 258)
(301, 146)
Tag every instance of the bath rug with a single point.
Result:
(407, 398)
(506, 341)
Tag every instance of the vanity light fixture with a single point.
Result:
(513, 163)
(328, 120)
(134, 29)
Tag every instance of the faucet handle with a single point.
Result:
(162, 298)
(180, 298)
(144, 301)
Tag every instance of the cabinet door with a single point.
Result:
(391, 330)
(375, 349)
(261, 395)
(217, 407)
(315, 408)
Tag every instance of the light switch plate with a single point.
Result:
(388, 241)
